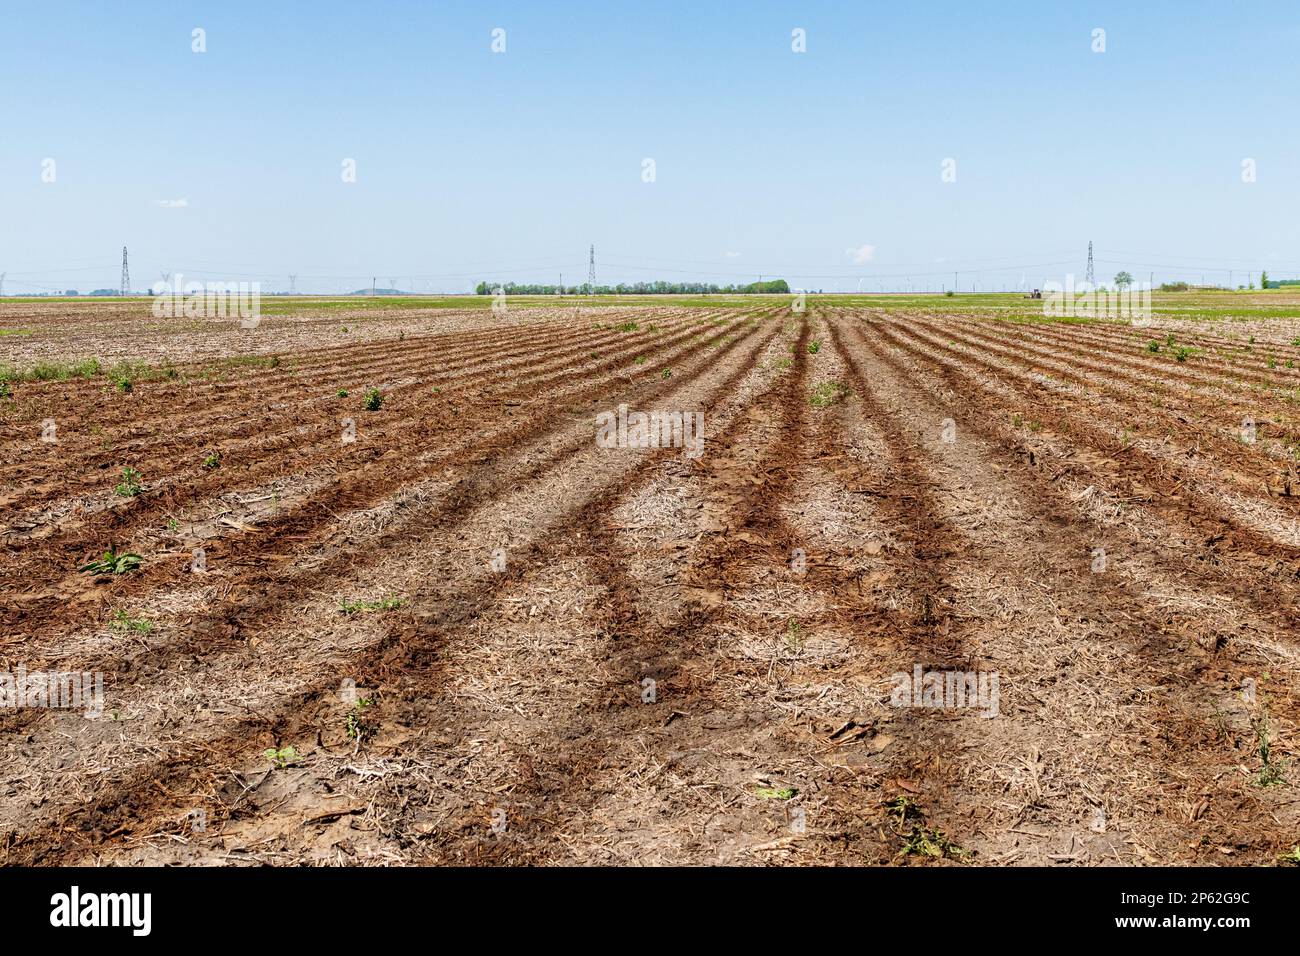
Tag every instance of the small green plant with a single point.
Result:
(827, 393)
(794, 633)
(1272, 362)
(49, 372)
(1270, 773)
(124, 375)
(640, 360)
(949, 293)
(775, 793)
(212, 461)
(1153, 346)
(374, 399)
(283, 757)
(386, 604)
(124, 623)
(1017, 420)
(627, 327)
(173, 524)
(814, 346)
(358, 727)
(130, 485)
(918, 839)
(1182, 353)
(667, 373)
(783, 364)
(113, 563)
(342, 393)
(1035, 425)
(1290, 858)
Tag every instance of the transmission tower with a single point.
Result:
(591, 269)
(1089, 278)
(2, 282)
(293, 284)
(126, 274)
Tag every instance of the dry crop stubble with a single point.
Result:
(520, 689)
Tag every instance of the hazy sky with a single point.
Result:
(822, 167)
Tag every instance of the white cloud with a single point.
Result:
(172, 203)
(732, 255)
(861, 255)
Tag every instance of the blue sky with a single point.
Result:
(472, 164)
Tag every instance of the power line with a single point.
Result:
(718, 272)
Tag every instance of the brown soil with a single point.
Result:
(577, 654)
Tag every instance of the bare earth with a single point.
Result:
(574, 654)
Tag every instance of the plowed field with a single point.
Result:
(489, 640)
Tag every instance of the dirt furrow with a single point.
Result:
(407, 636)
(1092, 646)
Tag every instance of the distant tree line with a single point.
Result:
(1264, 283)
(771, 287)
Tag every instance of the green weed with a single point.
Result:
(113, 563)
(827, 394)
(124, 623)
(130, 485)
(283, 757)
(918, 839)
(386, 604)
(358, 727)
